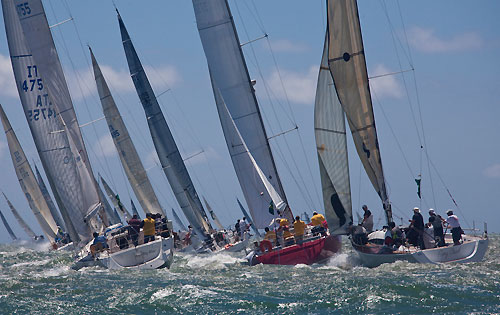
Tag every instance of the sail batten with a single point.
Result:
(134, 169)
(170, 158)
(347, 65)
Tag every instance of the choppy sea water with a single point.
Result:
(42, 282)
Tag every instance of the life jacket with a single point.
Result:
(149, 226)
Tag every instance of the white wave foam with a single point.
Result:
(32, 263)
(217, 261)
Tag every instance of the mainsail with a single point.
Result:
(264, 196)
(346, 59)
(166, 148)
(115, 199)
(245, 214)
(229, 75)
(19, 219)
(127, 152)
(48, 199)
(7, 226)
(35, 64)
(212, 215)
(28, 182)
(178, 221)
(331, 146)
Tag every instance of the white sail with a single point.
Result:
(166, 148)
(212, 215)
(262, 193)
(245, 214)
(115, 199)
(127, 152)
(229, 73)
(48, 199)
(331, 146)
(41, 111)
(346, 59)
(19, 219)
(28, 182)
(113, 216)
(178, 221)
(7, 227)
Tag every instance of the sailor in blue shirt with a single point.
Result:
(100, 239)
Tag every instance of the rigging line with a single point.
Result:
(446, 187)
(66, 50)
(393, 133)
(410, 103)
(277, 119)
(256, 16)
(410, 60)
(294, 120)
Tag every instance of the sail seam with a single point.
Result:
(214, 25)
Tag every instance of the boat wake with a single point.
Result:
(217, 261)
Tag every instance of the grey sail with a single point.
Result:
(19, 219)
(166, 148)
(213, 215)
(7, 227)
(346, 59)
(127, 152)
(48, 199)
(245, 214)
(230, 75)
(115, 199)
(113, 216)
(261, 194)
(28, 182)
(178, 221)
(43, 116)
(331, 146)
(134, 209)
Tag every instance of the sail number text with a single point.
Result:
(23, 9)
(43, 106)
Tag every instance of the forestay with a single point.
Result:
(127, 152)
(229, 73)
(29, 185)
(331, 146)
(171, 161)
(347, 64)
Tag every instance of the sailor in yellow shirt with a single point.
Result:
(317, 219)
(299, 228)
(148, 226)
(270, 235)
(284, 222)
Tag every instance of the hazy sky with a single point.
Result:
(452, 45)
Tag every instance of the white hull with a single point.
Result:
(153, 255)
(469, 251)
(237, 247)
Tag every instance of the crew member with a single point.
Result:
(148, 226)
(454, 224)
(299, 228)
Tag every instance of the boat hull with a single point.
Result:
(468, 251)
(153, 255)
(308, 253)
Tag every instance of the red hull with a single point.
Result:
(306, 253)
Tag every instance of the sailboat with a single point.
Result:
(170, 158)
(21, 221)
(51, 117)
(246, 136)
(344, 60)
(29, 186)
(8, 228)
(123, 252)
